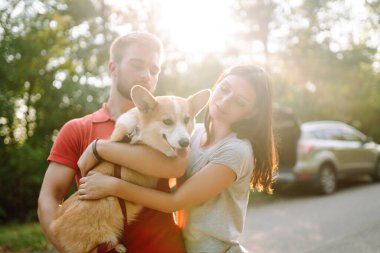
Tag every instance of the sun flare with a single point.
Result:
(196, 26)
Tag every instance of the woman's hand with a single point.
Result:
(87, 161)
(96, 186)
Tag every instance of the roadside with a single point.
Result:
(347, 221)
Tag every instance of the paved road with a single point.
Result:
(345, 222)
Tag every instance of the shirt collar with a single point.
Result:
(102, 115)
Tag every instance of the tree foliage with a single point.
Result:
(45, 78)
(325, 79)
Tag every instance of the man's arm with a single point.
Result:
(57, 181)
(137, 157)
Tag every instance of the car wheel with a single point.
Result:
(376, 173)
(327, 179)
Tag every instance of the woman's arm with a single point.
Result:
(204, 185)
(141, 158)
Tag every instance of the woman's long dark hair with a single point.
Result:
(258, 130)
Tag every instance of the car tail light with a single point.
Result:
(305, 148)
(303, 176)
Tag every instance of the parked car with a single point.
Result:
(326, 152)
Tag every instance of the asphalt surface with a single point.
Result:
(299, 221)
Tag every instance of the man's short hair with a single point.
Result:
(121, 43)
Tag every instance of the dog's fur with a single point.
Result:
(164, 123)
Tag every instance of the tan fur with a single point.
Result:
(81, 225)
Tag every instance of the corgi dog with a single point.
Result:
(164, 123)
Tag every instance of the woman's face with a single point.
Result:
(233, 100)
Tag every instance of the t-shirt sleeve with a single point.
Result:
(237, 155)
(67, 146)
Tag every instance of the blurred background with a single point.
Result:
(323, 57)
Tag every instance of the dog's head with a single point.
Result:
(166, 122)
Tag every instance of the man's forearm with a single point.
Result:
(46, 211)
(55, 186)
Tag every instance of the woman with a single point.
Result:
(232, 151)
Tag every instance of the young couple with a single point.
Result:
(231, 152)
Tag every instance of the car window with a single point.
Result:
(305, 135)
(319, 134)
(334, 134)
(351, 135)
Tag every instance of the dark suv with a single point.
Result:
(323, 152)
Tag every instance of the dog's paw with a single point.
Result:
(120, 248)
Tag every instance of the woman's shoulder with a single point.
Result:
(234, 148)
(238, 144)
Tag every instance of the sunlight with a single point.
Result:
(196, 26)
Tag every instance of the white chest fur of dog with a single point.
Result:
(165, 123)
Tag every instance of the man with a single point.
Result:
(135, 59)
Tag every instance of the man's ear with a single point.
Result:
(143, 99)
(112, 67)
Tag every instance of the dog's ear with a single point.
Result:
(198, 101)
(143, 99)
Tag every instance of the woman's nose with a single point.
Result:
(226, 99)
(145, 74)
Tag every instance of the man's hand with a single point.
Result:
(87, 161)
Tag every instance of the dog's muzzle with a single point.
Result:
(183, 143)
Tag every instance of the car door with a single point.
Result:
(340, 148)
(362, 152)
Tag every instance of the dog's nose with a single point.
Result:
(184, 142)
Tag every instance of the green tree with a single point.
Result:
(259, 18)
(328, 74)
(52, 57)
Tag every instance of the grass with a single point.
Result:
(22, 238)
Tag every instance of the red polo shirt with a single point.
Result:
(153, 231)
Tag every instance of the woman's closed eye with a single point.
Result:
(240, 102)
(224, 88)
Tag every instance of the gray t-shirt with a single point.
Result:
(216, 225)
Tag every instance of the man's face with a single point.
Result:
(139, 66)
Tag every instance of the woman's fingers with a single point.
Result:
(83, 180)
(95, 186)
(92, 172)
(82, 194)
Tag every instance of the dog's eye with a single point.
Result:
(168, 122)
(186, 120)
